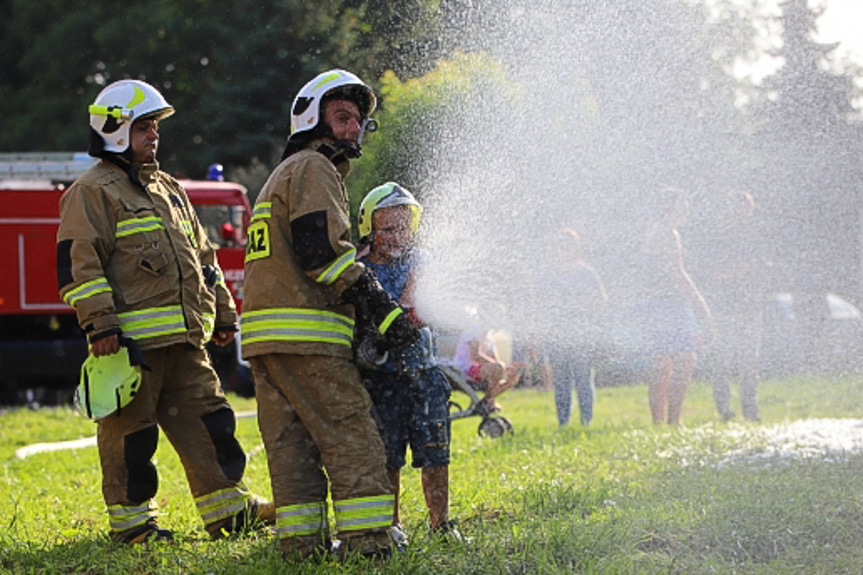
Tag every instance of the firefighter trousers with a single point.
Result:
(181, 395)
(315, 420)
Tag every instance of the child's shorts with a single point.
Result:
(412, 409)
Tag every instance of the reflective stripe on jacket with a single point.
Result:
(299, 259)
(130, 258)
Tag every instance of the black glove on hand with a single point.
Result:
(400, 333)
(377, 313)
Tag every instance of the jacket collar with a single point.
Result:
(147, 172)
(139, 175)
(336, 156)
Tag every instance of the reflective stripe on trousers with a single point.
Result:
(124, 518)
(221, 504)
(364, 512)
(301, 519)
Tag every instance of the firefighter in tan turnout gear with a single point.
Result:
(303, 290)
(134, 262)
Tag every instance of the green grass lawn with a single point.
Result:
(621, 496)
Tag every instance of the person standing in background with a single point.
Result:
(733, 271)
(671, 312)
(577, 307)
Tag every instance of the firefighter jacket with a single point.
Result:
(299, 260)
(133, 258)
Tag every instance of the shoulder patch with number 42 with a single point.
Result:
(258, 244)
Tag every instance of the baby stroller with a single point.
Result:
(491, 423)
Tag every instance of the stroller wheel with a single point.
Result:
(494, 427)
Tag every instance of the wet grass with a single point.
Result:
(621, 496)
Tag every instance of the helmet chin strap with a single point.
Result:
(336, 149)
(345, 147)
(349, 149)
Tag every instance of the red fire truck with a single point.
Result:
(41, 346)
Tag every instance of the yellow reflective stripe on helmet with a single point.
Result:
(152, 322)
(85, 290)
(301, 519)
(364, 512)
(262, 210)
(222, 503)
(336, 268)
(296, 324)
(385, 325)
(326, 80)
(123, 518)
(138, 225)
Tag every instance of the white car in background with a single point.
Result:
(811, 333)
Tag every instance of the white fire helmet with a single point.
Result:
(386, 196)
(306, 109)
(120, 104)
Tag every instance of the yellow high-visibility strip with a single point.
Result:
(385, 325)
(123, 518)
(297, 313)
(296, 324)
(301, 519)
(299, 338)
(152, 322)
(336, 268)
(85, 290)
(190, 232)
(209, 325)
(284, 331)
(364, 512)
(262, 210)
(220, 276)
(138, 225)
(222, 503)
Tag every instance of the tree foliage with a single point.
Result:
(610, 99)
(231, 69)
(425, 119)
(808, 154)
